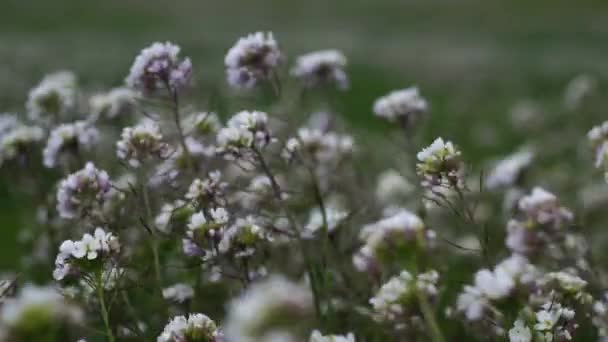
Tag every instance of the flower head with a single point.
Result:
(76, 136)
(53, 97)
(321, 68)
(157, 67)
(141, 142)
(197, 327)
(404, 105)
(83, 191)
(252, 59)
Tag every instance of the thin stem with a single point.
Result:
(153, 238)
(429, 317)
(104, 311)
(180, 131)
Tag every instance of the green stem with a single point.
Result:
(104, 311)
(429, 317)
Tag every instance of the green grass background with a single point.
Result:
(471, 58)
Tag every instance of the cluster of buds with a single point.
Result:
(543, 223)
(87, 255)
(389, 238)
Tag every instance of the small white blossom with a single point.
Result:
(520, 332)
(439, 164)
(18, 140)
(507, 171)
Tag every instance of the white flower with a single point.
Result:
(208, 189)
(440, 165)
(252, 59)
(78, 135)
(262, 310)
(320, 68)
(52, 97)
(578, 89)
(520, 332)
(178, 293)
(406, 104)
(100, 245)
(546, 319)
(243, 130)
(507, 171)
(243, 235)
(334, 216)
(316, 336)
(194, 328)
(83, 191)
(138, 143)
(202, 123)
(8, 121)
(158, 66)
(110, 105)
(324, 149)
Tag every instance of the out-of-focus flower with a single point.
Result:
(246, 129)
(52, 98)
(35, 308)
(73, 137)
(83, 191)
(18, 140)
(389, 237)
(316, 336)
(324, 150)
(319, 68)
(85, 254)
(115, 103)
(208, 190)
(334, 215)
(578, 90)
(273, 306)
(252, 59)
(406, 106)
(197, 327)
(139, 143)
(508, 171)
(157, 67)
(202, 124)
(178, 293)
(397, 302)
(393, 187)
(243, 236)
(520, 332)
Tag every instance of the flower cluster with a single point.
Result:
(197, 327)
(316, 336)
(244, 130)
(252, 59)
(115, 103)
(386, 239)
(398, 299)
(543, 223)
(320, 68)
(405, 106)
(141, 142)
(440, 166)
(70, 139)
(158, 67)
(83, 192)
(16, 141)
(85, 255)
(53, 98)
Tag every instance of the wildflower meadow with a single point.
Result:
(247, 205)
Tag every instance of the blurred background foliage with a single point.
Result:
(472, 59)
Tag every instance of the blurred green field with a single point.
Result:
(472, 59)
